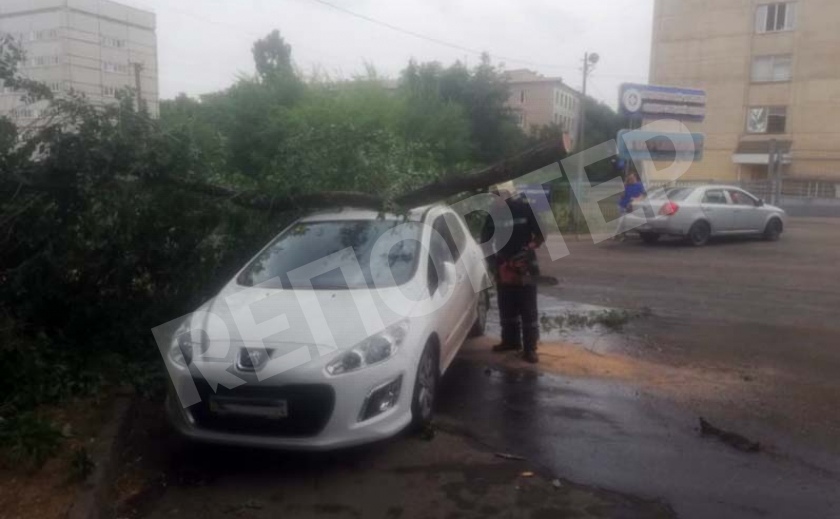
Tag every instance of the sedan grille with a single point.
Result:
(308, 408)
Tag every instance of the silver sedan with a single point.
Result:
(699, 213)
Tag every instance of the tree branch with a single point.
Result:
(530, 160)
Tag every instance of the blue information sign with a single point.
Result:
(645, 145)
(661, 102)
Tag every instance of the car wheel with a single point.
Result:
(425, 388)
(773, 230)
(699, 234)
(649, 237)
(483, 307)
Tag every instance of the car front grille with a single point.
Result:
(310, 407)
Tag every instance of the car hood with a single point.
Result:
(774, 208)
(278, 318)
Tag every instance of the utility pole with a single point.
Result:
(138, 67)
(772, 165)
(589, 62)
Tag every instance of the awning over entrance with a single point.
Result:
(758, 152)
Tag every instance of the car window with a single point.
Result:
(679, 193)
(432, 276)
(441, 226)
(673, 194)
(741, 198)
(715, 196)
(309, 242)
(459, 236)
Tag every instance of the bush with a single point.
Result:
(26, 439)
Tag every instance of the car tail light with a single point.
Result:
(669, 209)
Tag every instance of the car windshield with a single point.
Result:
(310, 243)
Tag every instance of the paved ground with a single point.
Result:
(769, 310)
(741, 333)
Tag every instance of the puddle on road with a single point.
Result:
(577, 323)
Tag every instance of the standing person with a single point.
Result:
(511, 264)
(633, 191)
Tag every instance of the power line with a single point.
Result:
(458, 46)
(433, 39)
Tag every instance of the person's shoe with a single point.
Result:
(531, 356)
(503, 347)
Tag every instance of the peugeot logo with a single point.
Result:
(252, 359)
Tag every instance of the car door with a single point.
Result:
(465, 293)
(449, 313)
(718, 211)
(748, 216)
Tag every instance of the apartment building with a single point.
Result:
(542, 101)
(771, 71)
(90, 46)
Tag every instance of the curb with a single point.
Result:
(93, 500)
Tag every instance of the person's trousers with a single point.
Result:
(518, 314)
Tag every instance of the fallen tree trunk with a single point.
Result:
(451, 185)
(530, 160)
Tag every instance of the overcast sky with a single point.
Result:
(204, 44)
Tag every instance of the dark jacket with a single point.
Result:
(514, 259)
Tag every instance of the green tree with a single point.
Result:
(481, 92)
(273, 57)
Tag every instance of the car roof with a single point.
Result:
(356, 213)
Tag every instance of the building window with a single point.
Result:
(42, 61)
(521, 96)
(26, 113)
(47, 34)
(775, 17)
(521, 117)
(109, 91)
(118, 68)
(772, 68)
(56, 86)
(767, 119)
(108, 41)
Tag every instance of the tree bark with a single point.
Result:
(530, 160)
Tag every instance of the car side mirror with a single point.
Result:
(760, 202)
(449, 272)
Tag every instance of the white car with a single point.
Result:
(296, 353)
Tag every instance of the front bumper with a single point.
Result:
(323, 412)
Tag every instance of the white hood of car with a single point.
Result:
(253, 316)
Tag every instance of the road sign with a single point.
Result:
(661, 102)
(671, 147)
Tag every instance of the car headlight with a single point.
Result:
(183, 347)
(372, 350)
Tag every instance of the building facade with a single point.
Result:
(96, 47)
(771, 71)
(542, 101)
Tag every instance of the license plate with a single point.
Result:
(272, 410)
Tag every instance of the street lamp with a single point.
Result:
(589, 62)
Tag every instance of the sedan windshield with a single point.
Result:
(307, 243)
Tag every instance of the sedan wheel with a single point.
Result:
(699, 234)
(425, 388)
(773, 230)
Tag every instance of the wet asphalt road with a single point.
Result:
(616, 437)
(764, 308)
